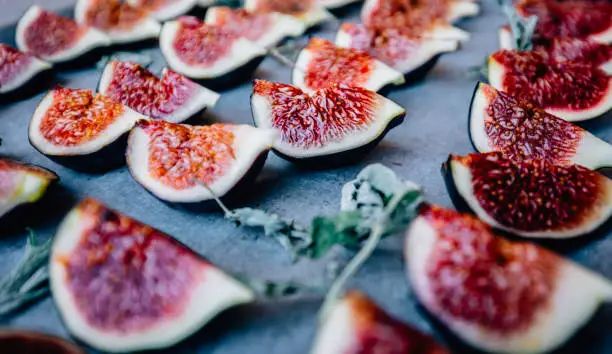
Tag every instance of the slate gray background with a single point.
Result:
(435, 125)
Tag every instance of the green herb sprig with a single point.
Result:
(523, 29)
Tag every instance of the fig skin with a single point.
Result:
(40, 82)
(233, 78)
(25, 342)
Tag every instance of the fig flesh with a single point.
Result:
(266, 29)
(322, 63)
(216, 55)
(570, 90)
(532, 198)
(13, 341)
(121, 22)
(54, 38)
(337, 123)
(497, 295)
(310, 12)
(122, 286)
(170, 159)
(164, 10)
(17, 69)
(172, 98)
(21, 184)
(81, 129)
(523, 131)
(356, 325)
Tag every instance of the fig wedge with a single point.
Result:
(310, 12)
(164, 10)
(18, 69)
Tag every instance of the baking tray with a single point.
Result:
(435, 125)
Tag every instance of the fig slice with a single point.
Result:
(170, 159)
(338, 123)
(26, 342)
(121, 22)
(164, 10)
(55, 38)
(570, 90)
(75, 124)
(18, 69)
(411, 55)
(266, 29)
(173, 98)
(214, 54)
(322, 62)
(531, 198)
(356, 325)
(310, 12)
(497, 295)
(123, 286)
(21, 184)
(523, 131)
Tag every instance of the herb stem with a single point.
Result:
(222, 205)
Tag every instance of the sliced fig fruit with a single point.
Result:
(54, 38)
(579, 19)
(522, 131)
(25, 342)
(21, 184)
(122, 286)
(497, 295)
(531, 198)
(214, 54)
(308, 11)
(339, 123)
(412, 55)
(164, 10)
(121, 22)
(322, 63)
(266, 29)
(570, 90)
(173, 98)
(356, 325)
(81, 129)
(18, 69)
(170, 159)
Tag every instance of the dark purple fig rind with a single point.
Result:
(419, 74)
(26, 342)
(449, 180)
(469, 120)
(40, 82)
(234, 78)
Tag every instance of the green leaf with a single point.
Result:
(326, 232)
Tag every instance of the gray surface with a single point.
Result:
(435, 126)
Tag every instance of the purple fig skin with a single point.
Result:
(25, 342)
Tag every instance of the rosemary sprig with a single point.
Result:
(523, 29)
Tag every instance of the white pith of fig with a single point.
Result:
(58, 132)
(531, 198)
(520, 130)
(356, 119)
(533, 302)
(84, 40)
(308, 11)
(165, 292)
(226, 153)
(321, 60)
(240, 51)
(177, 97)
(106, 16)
(336, 4)
(164, 10)
(355, 324)
(27, 342)
(18, 68)
(276, 26)
(21, 184)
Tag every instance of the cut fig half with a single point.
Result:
(121, 22)
(266, 29)
(172, 98)
(522, 131)
(497, 295)
(322, 63)
(18, 69)
(21, 184)
(55, 38)
(338, 123)
(532, 198)
(172, 161)
(81, 129)
(164, 10)
(122, 286)
(26, 342)
(356, 325)
(310, 12)
(570, 90)
(216, 55)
